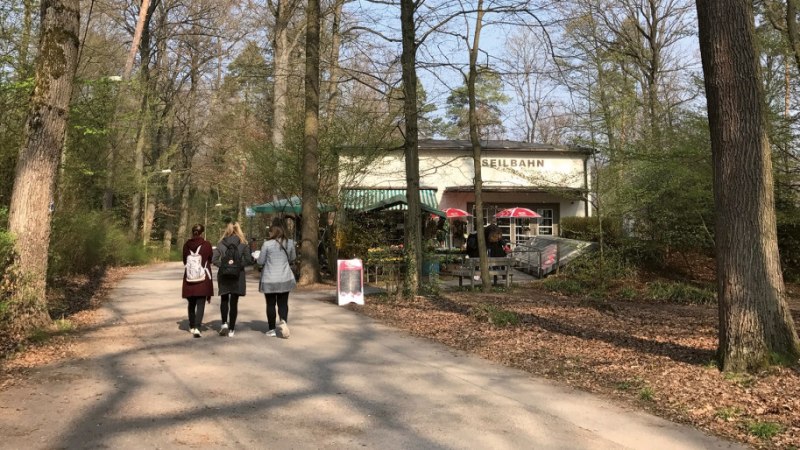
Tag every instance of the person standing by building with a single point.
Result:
(496, 245)
(231, 256)
(277, 279)
(200, 288)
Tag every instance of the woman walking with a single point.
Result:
(277, 278)
(231, 256)
(197, 285)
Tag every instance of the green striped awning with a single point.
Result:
(363, 200)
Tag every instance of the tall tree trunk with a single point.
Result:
(474, 137)
(792, 31)
(755, 323)
(144, 120)
(413, 236)
(309, 257)
(183, 222)
(138, 162)
(23, 68)
(333, 70)
(280, 47)
(37, 167)
(144, 13)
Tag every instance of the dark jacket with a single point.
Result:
(472, 245)
(203, 288)
(232, 285)
(496, 249)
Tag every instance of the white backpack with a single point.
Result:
(195, 272)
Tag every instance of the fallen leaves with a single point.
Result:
(659, 357)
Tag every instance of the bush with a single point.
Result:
(588, 229)
(592, 273)
(764, 430)
(642, 253)
(496, 316)
(6, 258)
(564, 285)
(83, 241)
(680, 293)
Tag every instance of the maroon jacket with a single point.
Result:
(203, 288)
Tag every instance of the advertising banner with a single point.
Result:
(350, 281)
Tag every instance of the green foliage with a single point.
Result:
(789, 246)
(84, 240)
(489, 97)
(646, 394)
(366, 237)
(6, 258)
(779, 359)
(39, 336)
(764, 430)
(643, 253)
(64, 325)
(624, 385)
(678, 292)
(742, 379)
(662, 192)
(431, 286)
(592, 274)
(14, 96)
(728, 413)
(564, 285)
(627, 293)
(712, 364)
(495, 315)
(588, 229)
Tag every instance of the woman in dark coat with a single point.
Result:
(198, 293)
(231, 288)
(496, 245)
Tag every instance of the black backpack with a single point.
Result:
(230, 264)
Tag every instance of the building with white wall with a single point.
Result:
(551, 180)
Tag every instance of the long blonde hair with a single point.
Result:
(233, 229)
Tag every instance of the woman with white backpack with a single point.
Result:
(197, 285)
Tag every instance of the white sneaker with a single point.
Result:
(231, 333)
(271, 333)
(196, 333)
(223, 331)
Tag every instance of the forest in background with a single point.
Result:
(207, 116)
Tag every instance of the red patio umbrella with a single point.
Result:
(455, 212)
(517, 213)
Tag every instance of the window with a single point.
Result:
(546, 221)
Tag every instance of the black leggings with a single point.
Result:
(282, 300)
(223, 308)
(197, 306)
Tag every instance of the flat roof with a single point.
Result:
(465, 146)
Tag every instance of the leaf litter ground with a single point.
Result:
(655, 356)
